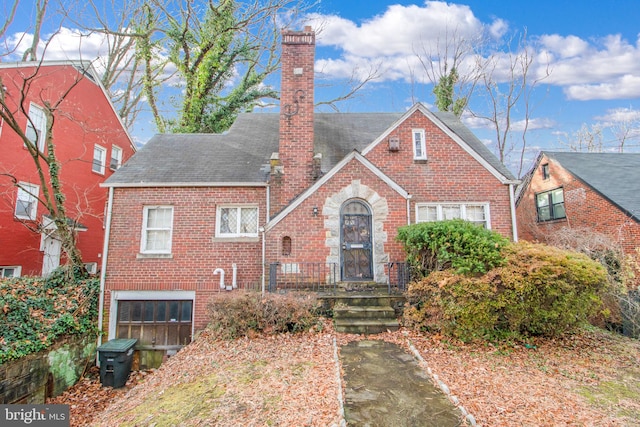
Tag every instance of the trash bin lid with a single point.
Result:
(118, 345)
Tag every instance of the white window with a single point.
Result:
(478, 213)
(237, 221)
(99, 157)
(37, 126)
(92, 267)
(27, 201)
(419, 145)
(116, 157)
(13, 271)
(157, 228)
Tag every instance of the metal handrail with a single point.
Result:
(308, 276)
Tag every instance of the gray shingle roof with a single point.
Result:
(615, 176)
(242, 154)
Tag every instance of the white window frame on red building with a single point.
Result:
(166, 228)
(27, 194)
(419, 144)
(427, 212)
(98, 164)
(37, 126)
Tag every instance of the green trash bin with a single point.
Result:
(115, 358)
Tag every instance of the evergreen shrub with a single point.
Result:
(539, 291)
(454, 244)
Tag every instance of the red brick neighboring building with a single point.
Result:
(90, 143)
(582, 191)
(279, 193)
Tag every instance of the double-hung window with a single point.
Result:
(550, 205)
(27, 201)
(477, 213)
(157, 228)
(36, 130)
(237, 221)
(116, 157)
(13, 271)
(419, 145)
(99, 159)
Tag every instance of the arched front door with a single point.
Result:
(355, 241)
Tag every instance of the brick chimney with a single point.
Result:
(296, 116)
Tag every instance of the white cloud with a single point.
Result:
(625, 87)
(606, 68)
(619, 115)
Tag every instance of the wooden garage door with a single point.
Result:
(156, 324)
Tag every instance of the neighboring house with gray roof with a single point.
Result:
(595, 191)
(291, 198)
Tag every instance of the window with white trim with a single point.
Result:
(237, 221)
(419, 145)
(477, 213)
(116, 157)
(99, 159)
(13, 271)
(27, 201)
(157, 228)
(36, 130)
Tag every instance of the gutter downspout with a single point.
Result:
(409, 209)
(263, 260)
(103, 269)
(514, 222)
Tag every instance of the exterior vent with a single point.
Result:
(394, 143)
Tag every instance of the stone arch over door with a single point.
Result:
(379, 212)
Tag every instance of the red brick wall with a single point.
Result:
(585, 208)
(309, 234)
(449, 174)
(296, 116)
(196, 252)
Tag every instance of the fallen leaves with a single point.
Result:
(290, 380)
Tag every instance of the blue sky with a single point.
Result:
(590, 48)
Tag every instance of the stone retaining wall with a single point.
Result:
(34, 378)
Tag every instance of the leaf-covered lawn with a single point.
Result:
(587, 379)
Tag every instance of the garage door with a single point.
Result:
(158, 325)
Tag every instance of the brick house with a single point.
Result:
(595, 191)
(282, 195)
(90, 143)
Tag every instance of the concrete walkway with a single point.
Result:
(385, 387)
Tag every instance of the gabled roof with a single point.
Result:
(241, 155)
(84, 68)
(354, 155)
(451, 125)
(615, 176)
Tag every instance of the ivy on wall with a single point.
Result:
(35, 311)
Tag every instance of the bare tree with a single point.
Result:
(508, 82)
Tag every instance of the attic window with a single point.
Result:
(545, 171)
(286, 245)
(419, 145)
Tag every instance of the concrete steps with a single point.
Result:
(365, 309)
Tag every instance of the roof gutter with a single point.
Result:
(181, 184)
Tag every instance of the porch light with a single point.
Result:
(315, 211)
